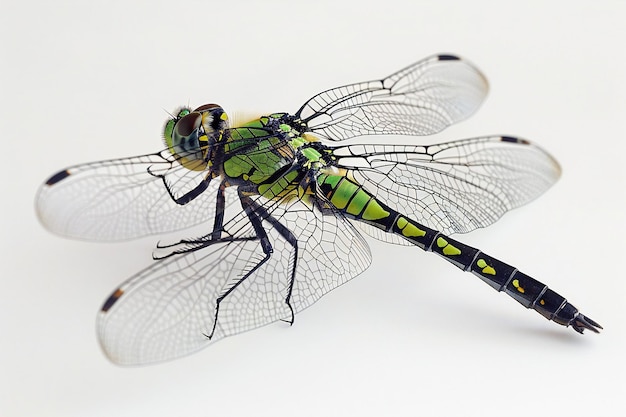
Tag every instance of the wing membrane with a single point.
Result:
(421, 99)
(166, 310)
(453, 187)
(123, 198)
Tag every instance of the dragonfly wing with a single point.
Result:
(168, 310)
(381, 235)
(454, 187)
(421, 99)
(124, 198)
(330, 251)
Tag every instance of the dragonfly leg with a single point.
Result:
(257, 214)
(220, 207)
(293, 241)
(260, 234)
(215, 235)
(190, 245)
(188, 196)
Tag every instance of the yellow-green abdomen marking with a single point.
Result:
(357, 203)
(349, 197)
(448, 248)
(486, 269)
(409, 229)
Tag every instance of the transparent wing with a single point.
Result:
(168, 309)
(123, 198)
(453, 187)
(421, 99)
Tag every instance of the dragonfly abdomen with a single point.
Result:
(349, 197)
(356, 203)
(526, 290)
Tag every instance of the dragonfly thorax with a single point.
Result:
(191, 134)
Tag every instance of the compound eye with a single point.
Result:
(214, 120)
(206, 107)
(188, 124)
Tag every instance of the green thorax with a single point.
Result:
(261, 150)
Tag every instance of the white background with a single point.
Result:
(82, 81)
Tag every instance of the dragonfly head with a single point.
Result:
(191, 134)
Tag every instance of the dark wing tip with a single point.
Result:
(59, 176)
(514, 140)
(448, 57)
(112, 300)
(582, 322)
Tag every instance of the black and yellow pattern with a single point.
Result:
(357, 204)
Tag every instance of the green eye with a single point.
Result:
(168, 130)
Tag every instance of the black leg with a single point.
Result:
(257, 214)
(220, 206)
(249, 208)
(188, 196)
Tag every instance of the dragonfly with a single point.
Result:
(283, 200)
